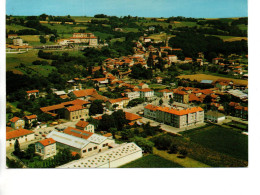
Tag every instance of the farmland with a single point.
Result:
(151, 161)
(221, 139)
(200, 77)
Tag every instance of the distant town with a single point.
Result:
(128, 92)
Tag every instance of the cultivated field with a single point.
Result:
(221, 139)
(200, 77)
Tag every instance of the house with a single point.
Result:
(17, 123)
(132, 118)
(172, 58)
(30, 118)
(159, 79)
(181, 96)
(178, 117)
(85, 126)
(166, 93)
(143, 86)
(22, 135)
(76, 112)
(35, 93)
(188, 60)
(12, 36)
(132, 94)
(121, 102)
(217, 60)
(46, 148)
(146, 93)
(82, 142)
(84, 94)
(214, 116)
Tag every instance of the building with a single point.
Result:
(143, 86)
(121, 102)
(86, 38)
(178, 117)
(35, 93)
(22, 135)
(18, 41)
(214, 116)
(166, 93)
(85, 126)
(30, 118)
(132, 94)
(83, 94)
(112, 158)
(132, 118)
(181, 96)
(17, 123)
(76, 112)
(82, 142)
(146, 93)
(46, 148)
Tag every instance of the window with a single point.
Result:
(84, 151)
(90, 149)
(95, 147)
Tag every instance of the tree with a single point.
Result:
(171, 101)
(146, 145)
(160, 102)
(42, 39)
(183, 152)
(119, 119)
(173, 149)
(17, 149)
(96, 107)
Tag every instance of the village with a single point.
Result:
(117, 112)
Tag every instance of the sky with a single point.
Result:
(141, 8)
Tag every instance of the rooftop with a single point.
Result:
(17, 133)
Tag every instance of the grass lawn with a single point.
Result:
(220, 139)
(130, 29)
(151, 161)
(34, 40)
(14, 60)
(157, 86)
(242, 26)
(62, 28)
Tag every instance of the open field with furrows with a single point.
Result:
(165, 24)
(151, 161)
(200, 77)
(14, 60)
(85, 18)
(224, 140)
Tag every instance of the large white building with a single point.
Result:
(112, 158)
(82, 142)
(177, 117)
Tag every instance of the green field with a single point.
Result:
(85, 18)
(66, 28)
(16, 27)
(220, 139)
(151, 161)
(42, 70)
(14, 60)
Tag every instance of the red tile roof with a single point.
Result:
(33, 91)
(78, 133)
(31, 117)
(145, 90)
(9, 129)
(165, 91)
(180, 112)
(82, 124)
(84, 92)
(74, 108)
(151, 107)
(131, 117)
(14, 119)
(47, 141)
(18, 133)
(107, 135)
